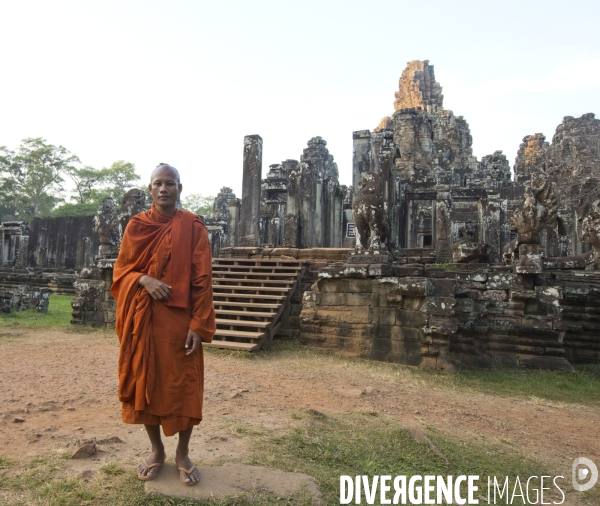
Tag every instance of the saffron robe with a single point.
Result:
(158, 383)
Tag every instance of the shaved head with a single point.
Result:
(167, 166)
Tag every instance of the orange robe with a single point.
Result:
(158, 383)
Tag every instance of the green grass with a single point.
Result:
(45, 482)
(543, 386)
(580, 387)
(363, 444)
(58, 315)
(322, 446)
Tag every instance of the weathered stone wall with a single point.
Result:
(483, 316)
(68, 242)
(58, 281)
(14, 238)
(93, 303)
(21, 297)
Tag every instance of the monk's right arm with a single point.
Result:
(155, 287)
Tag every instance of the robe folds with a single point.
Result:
(158, 383)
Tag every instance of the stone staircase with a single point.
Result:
(251, 299)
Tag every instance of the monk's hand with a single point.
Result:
(155, 287)
(192, 343)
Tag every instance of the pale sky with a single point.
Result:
(183, 82)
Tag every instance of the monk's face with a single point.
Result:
(165, 190)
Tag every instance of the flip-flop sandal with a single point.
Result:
(145, 477)
(188, 472)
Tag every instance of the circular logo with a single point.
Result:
(585, 474)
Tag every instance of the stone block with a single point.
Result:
(440, 306)
(407, 334)
(385, 285)
(442, 287)
(549, 294)
(330, 285)
(477, 277)
(356, 285)
(413, 303)
(356, 271)
(463, 305)
(506, 359)
(568, 325)
(383, 316)
(408, 270)
(405, 352)
(503, 323)
(500, 295)
(332, 299)
(358, 299)
(537, 322)
(380, 270)
(358, 314)
(442, 325)
(410, 319)
(545, 362)
(413, 287)
(503, 281)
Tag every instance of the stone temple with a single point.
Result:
(431, 258)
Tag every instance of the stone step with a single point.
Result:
(248, 296)
(260, 267)
(242, 323)
(220, 333)
(287, 281)
(251, 288)
(256, 305)
(288, 275)
(232, 345)
(257, 314)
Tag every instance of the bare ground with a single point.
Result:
(64, 384)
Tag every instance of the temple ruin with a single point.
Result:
(431, 257)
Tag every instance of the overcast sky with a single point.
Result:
(183, 81)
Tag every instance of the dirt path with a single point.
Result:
(64, 386)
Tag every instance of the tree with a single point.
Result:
(32, 176)
(119, 178)
(92, 185)
(196, 203)
(87, 181)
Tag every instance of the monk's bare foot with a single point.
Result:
(148, 468)
(184, 464)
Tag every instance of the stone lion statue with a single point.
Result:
(370, 223)
(590, 228)
(106, 225)
(538, 211)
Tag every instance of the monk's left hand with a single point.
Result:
(192, 343)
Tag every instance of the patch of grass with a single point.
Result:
(112, 468)
(553, 388)
(360, 444)
(543, 387)
(44, 481)
(5, 462)
(58, 315)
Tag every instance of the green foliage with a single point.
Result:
(32, 176)
(198, 204)
(326, 447)
(87, 209)
(92, 185)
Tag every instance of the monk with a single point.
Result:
(162, 283)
